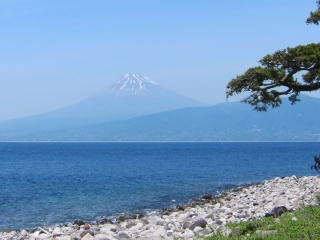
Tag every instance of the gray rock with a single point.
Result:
(181, 207)
(79, 222)
(211, 215)
(122, 235)
(204, 231)
(188, 235)
(130, 224)
(145, 233)
(186, 225)
(277, 211)
(145, 221)
(160, 222)
(219, 222)
(85, 232)
(199, 223)
(207, 196)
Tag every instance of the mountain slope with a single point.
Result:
(131, 96)
(221, 122)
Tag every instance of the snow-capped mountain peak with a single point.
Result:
(134, 83)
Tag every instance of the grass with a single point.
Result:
(302, 224)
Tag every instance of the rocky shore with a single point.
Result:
(201, 217)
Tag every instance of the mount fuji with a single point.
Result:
(131, 96)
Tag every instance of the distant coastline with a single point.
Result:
(217, 123)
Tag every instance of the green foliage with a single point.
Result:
(276, 77)
(315, 16)
(277, 74)
(304, 224)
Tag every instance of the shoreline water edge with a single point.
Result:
(186, 221)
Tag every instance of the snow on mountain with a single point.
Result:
(131, 83)
(135, 95)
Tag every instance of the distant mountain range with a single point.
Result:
(131, 96)
(220, 122)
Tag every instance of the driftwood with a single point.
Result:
(44, 231)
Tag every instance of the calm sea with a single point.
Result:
(51, 183)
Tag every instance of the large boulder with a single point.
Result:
(199, 223)
(277, 211)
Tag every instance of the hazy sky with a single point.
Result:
(55, 53)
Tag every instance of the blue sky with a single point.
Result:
(56, 53)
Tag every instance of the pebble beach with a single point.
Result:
(199, 218)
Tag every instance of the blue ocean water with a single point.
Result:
(51, 183)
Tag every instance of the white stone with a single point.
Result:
(57, 231)
(280, 201)
(68, 230)
(88, 237)
(63, 238)
(153, 237)
(146, 232)
(23, 233)
(187, 235)
(101, 237)
(137, 227)
(35, 234)
(161, 231)
(197, 229)
(44, 236)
